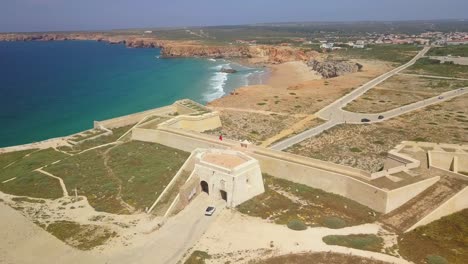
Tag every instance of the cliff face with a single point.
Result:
(170, 48)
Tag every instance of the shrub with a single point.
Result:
(355, 149)
(297, 225)
(436, 259)
(334, 222)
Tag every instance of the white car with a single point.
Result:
(210, 210)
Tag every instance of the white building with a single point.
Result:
(224, 174)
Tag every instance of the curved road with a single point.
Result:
(335, 114)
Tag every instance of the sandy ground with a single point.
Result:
(292, 88)
(249, 238)
(24, 242)
(290, 73)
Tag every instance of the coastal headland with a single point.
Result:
(179, 48)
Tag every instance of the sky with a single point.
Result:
(63, 15)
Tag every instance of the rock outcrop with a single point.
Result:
(334, 68)
(227, 70)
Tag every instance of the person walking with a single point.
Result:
(221, 137)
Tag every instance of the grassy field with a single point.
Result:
(391, 53)
(446, 238)
(366, 146)
(358, 241)
(10, 157)
(27, 181)
(455, 50)
(83, 237)
(433, 67)
(318, 258)
(284, 201)
(401, 90)
(133, 173)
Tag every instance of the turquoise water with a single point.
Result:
(51, 89)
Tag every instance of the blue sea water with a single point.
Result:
(51, 89)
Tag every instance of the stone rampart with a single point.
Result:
(456, 203)
(133, 118)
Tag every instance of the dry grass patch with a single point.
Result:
(318, 258)
(252, 126)
(375, 140)
(401, 90)
(434, 67)
(445, 238)
(284, 201)
(83, 237)
(358, 241)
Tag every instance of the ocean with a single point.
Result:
(52, 89)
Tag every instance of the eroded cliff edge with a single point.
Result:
(171, 48)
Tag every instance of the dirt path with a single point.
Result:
(62, 184)
(297, 127)
(217, 108)
(110, 174)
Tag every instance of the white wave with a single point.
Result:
(247, 78)
(157, 57)
(219, 67)
(217, 83)
(211, 59)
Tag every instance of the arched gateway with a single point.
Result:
(204, 187)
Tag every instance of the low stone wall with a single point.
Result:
(133, 118)
(453, 161)
(406, 161)
(177, 139)
(197, 123)
(187, 166)
(457, 203)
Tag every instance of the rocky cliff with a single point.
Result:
(170, 48)
(334, 68)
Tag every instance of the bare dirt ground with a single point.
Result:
(401, 90)
(250, 239)
(365, 146)
(286, 93)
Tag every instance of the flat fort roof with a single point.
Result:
(225, 160)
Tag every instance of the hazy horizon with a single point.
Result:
(89, 15)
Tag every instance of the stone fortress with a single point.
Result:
(225, 174)
(414, 173)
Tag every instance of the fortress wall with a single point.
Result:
(133, 118)
(444, 160)
(328, 181)
(334, 178)
(398, 197)
(195, 123)
(456, 203)
(182, 109)
(175, 140)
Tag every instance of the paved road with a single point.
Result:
(434, 76)
(179, 234)
(334, 113)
